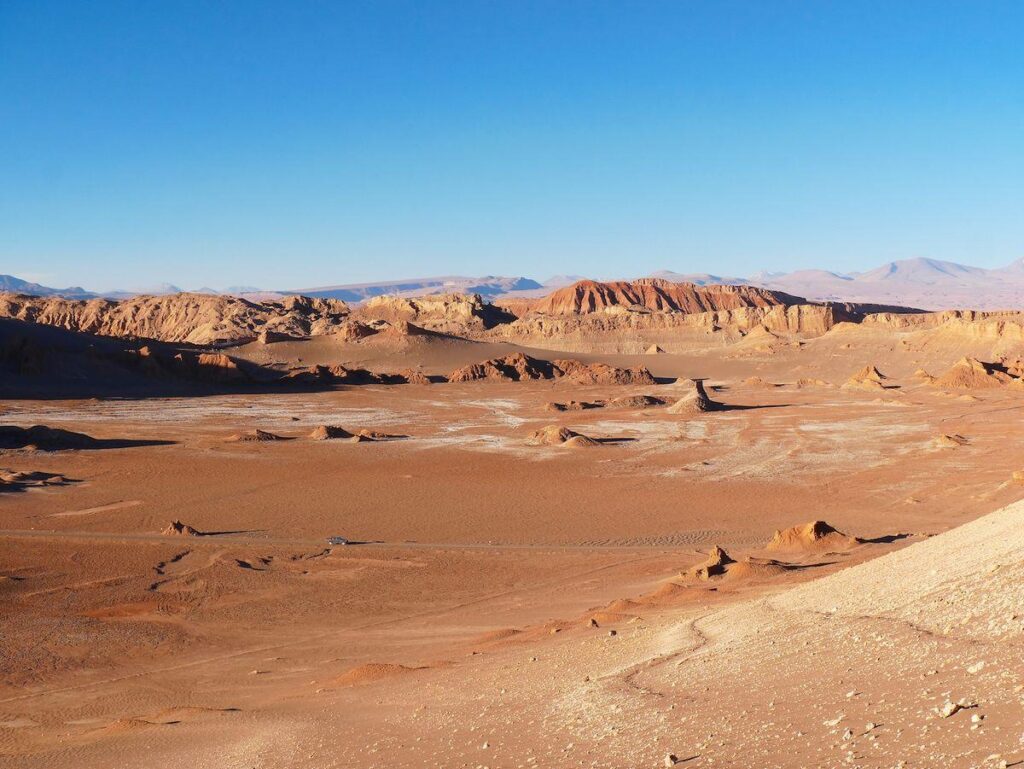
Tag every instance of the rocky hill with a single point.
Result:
(445, 313)
(588, 296)
(199, 319)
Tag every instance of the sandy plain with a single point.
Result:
(509, 604)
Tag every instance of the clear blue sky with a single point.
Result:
(297, 143)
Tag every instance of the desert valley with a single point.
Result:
(637, 523)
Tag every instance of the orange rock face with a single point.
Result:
(656, 294)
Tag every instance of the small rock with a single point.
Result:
(948, 709)
(670, 759)
(612, 632)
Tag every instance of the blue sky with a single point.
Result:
(296, 143)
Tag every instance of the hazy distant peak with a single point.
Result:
(557, 281)
(921, 268)
(19, 286)
(698, 278)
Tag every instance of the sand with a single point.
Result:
(459, 615)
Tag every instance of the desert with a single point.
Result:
(511, 385)
(609, 532)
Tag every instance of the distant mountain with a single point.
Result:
(488, 286)
(926, 271)
(19, 286)
(557, 281)
(699, 278)
(930, 284)
(158, 289)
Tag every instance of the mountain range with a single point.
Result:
(929, 284)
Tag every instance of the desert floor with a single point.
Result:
(511, 605)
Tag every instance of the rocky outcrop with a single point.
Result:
(519, 367)
(627, 332)
(601, 373)
(816, 535)
(655, 294)
(456, 314)
(43, 438)
(716, 564)
(694, 399)
(199, 319)
(515, 367)
(971, 373)
(553, 435)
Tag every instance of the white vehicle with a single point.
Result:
(337, 541)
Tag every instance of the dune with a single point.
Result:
(553, 435)
(756, 381)
(816, 535)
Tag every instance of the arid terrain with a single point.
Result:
(620, 525)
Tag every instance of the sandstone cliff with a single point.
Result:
(199, 319)
(588, 296)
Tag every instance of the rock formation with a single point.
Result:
(694, 400)
(519, 367)
(655, 294)
(816, 535)
(200, 319)
(553, 435)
